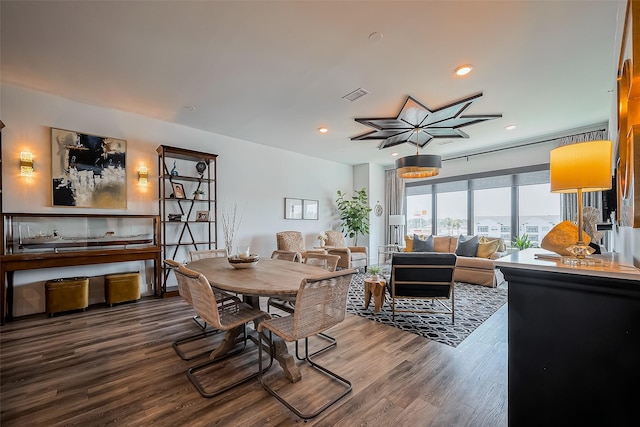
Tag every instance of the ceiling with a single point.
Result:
(274, 72)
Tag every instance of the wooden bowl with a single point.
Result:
(248, 262)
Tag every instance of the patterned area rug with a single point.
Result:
(474, 305)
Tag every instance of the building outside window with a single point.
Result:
(539, 211)
(492, 210)
(419, 214)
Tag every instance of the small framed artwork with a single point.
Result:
(202, 216)
(292, 208)
(178, 190)
(309, 209)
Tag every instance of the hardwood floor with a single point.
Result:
(116, 366)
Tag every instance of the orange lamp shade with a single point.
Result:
(583, 166)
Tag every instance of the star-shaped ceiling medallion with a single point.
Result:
(415, 118)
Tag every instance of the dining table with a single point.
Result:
(268, 278)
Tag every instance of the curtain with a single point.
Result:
(394, 199)
(569, 202)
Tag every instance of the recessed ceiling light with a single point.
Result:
(394, 154)
(510, 127)
(323, 130)
(463, 70)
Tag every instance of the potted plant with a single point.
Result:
(198, 194)
(374, 271)
(321, 238)
(354, 214)
(522, 242)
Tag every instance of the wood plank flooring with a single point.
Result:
(115, 366)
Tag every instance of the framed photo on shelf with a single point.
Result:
(292, 208)
(178, 190)
(202, 216)
(309, 209)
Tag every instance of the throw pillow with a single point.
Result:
(408, 243)
(560, 237)
(487, 247)
(422, 245)
(467, 247)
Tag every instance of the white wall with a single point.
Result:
(249, 174)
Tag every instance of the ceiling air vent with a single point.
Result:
(358, 93)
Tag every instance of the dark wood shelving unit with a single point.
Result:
(180, 166)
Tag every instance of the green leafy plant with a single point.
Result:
(522, 242)
(354, 214)
(374, 270)
(198, 192)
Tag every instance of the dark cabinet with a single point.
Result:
(574, 344)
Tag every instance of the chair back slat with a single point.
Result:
(326, 261)
(183, 290)
(203, 299)
(286, 255)
(321, 303)
(207, 253)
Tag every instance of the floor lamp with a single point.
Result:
(578, 168)
(396, 221)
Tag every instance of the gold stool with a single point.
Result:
(66, 294)
(121, 287)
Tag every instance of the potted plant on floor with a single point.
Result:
(354, 214)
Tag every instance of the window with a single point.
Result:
(419, 214)
(539, 211)
(452, 213)
(495, 212)
(492, 210)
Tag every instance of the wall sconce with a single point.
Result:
(142, 175)
(26, 163)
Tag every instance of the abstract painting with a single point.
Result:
(88, 171)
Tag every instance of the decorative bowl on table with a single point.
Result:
(244, 262)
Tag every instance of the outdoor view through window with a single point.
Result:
(538, 211)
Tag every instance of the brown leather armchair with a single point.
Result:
(350, 256)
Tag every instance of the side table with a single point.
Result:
(375, 287)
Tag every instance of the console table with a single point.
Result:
(574, 341)
(36, 241)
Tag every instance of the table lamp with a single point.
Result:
(396, 221)
(578, 168)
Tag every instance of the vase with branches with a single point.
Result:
(354, 214)
(231, 220)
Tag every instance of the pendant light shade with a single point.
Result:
(419, 166)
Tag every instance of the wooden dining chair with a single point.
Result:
(225, 316)
(321, 303)
(184, 292)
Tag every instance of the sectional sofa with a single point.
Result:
(478, 269)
